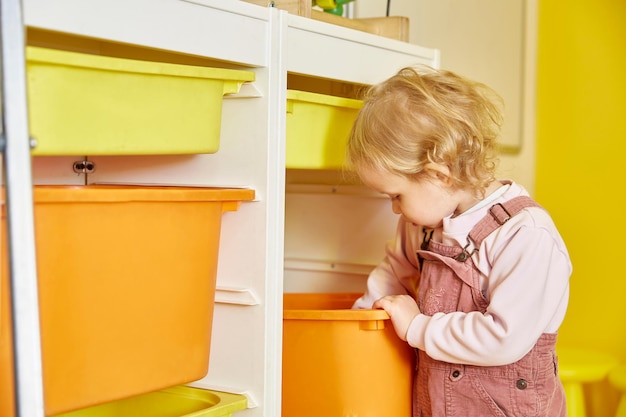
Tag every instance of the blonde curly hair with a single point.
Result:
(421, 116)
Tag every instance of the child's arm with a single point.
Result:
(398, 273)
(528, 289)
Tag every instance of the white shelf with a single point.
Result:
(228, 31)
(325, 50)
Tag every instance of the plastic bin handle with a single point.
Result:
(372, 325)
(230, 205)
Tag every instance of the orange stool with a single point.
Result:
(578, 367)
(617, 377)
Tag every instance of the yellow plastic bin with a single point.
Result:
(318, 126)
(126, 290)
(179, 401)
(82, 104)
(342, 362)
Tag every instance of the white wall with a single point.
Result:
(491, 41)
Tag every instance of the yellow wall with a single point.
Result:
(581, 159)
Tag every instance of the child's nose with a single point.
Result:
(395, 207)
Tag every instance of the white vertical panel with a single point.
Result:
(15, 144)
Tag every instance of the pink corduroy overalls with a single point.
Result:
(529, 387)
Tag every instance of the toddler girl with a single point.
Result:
(477, 278)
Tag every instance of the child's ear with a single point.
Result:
(438, 171)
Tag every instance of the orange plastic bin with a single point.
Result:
(126, 290)
(342, 362)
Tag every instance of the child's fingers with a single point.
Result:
(402, 309)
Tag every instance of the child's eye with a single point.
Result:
(395, 197)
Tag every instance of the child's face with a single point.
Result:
(421, 202)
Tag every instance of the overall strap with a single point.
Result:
(499, 214)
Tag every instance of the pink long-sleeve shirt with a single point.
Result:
(525, 270)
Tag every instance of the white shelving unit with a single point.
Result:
(247, 330)
(17, 181)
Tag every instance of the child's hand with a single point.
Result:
(402, 309)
